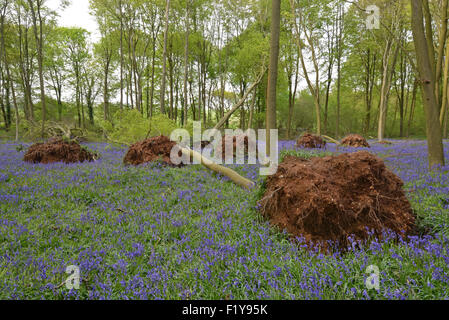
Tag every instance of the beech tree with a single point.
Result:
(38, 26)
(427, 81)
(273, 70)
(204, 60)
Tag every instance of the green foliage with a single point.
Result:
(128, 126)
(161, 124)
(304, 154)
(29, 130)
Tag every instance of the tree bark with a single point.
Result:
(387, 75)
(8, 74)
(273, 71)
(164, 58)
(433, 128)
(186, 64)
(412, 107)
(121, 55)
(36, 16)
(445, 96)
(231, 174)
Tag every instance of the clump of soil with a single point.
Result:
(334, 197)
(150, 150)
(385, 142)
(58, 150)
(356, 141)
(311, 141)
(235, 141)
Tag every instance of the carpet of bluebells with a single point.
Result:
(154, 232)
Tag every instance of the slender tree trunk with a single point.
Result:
(402, 102)
(8, 75)
(130, 70)
(444, 100)
(147, 89)
(164, 57)
(339, 55)
(36, 16)
(77, 93)
(59, 107)
(313, 88)
(251, 112)
(330, 67)
(433, 127)
(171, 81)
(177, 98)
(295, 89)
(135, 76)
(370, 69)
(442, 29)
(445, 134)
(326, 101)
(153, 65)
(2, 107)
(412, 107)
(290, 106)
(337, 118)
(121, 55)
(106, 90)
(388, 69)
(186, 62)
(200, 100)
(273, 71)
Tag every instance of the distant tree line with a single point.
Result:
(196, 59)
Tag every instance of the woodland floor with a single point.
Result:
(156, 232)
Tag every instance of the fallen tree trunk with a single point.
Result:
(241, 102)
(231, 174)
(331, 139)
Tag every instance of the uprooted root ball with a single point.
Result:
(151, 150)
(311, 141)
(58, 150)
(356, 141)
(237, 146)
(335, 197)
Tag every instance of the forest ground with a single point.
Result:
(154, 232)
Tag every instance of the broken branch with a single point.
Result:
(231, 174)
(242, 101)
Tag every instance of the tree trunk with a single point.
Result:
(433, 128)
(36, 16)
(186, 63)
(444, 100)
(231, 174)
(370, 68)
(339, 54)
(8, 75)
(387, 75)
(412, 107)
(164, 58)
(121, 55)
(106, 91)
(273, 71)
(251, 112)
